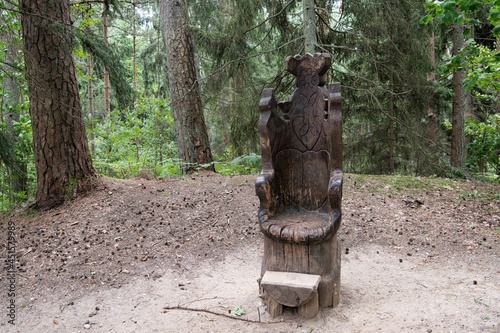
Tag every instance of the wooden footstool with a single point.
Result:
(295, 290)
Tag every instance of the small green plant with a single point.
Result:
(242, 165)
(238, 311)
(487, 201)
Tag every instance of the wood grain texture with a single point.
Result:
(300, 186)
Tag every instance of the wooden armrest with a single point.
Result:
(335, 189)
(265, 190)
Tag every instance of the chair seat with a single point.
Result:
(300, 226)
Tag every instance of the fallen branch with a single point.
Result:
(179, 307)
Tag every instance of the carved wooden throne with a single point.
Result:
(300, 191)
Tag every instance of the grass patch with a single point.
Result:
(383, 183)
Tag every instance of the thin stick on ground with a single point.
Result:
(179, 307)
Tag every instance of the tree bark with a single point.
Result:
(310, 38)
(189, 122)
(433, 128)
(392, 132)
(62, 159)
(107, 98)
(134, 53)
(457, 154)
(90, 94)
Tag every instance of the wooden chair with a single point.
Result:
(300, 190)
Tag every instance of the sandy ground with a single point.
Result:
(379, 294)
(406, 267)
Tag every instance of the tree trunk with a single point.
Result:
(62, 159)
(392, 131)
(134, 76)
(457, 155)
(190, 129)
(324, 36)
(107, 98)
(231, 116)
(134, 53)
(431, 112)
(91, 103)
(310, 38)
(497, 106)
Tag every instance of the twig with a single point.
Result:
(179, 307)
(25, 253)
(479, 302)
(199, 300)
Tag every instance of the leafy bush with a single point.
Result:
(242, 165)
(484, 145)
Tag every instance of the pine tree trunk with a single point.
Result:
(107, 98)
(392, 127)
(457, 154)
(431, 113)
(134, 76)
(324, 36)
(91, 103)
(309, 15)
(62, 159)
(134, 53)
(190, 129)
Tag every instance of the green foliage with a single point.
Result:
(16, 157)
(482, 64)
(106, 57)
(485, 200)
(16, 163)
(380, 56)
(484, 145)
(242, 45)
(385, 89)
(7, 155)
(238, 311)
(479, 59)
(398, 183)
(483, 69)
(242, 165)
(129, 142)
(451, 12)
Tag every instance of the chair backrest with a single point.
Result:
(309, 146)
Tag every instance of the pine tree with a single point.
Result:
(190, 129)
(384, 66)
(62, 158)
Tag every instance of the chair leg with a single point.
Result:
(274, 308)
(310, 309)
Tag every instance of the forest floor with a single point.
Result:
(418, 255)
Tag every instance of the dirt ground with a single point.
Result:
(418, 255)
